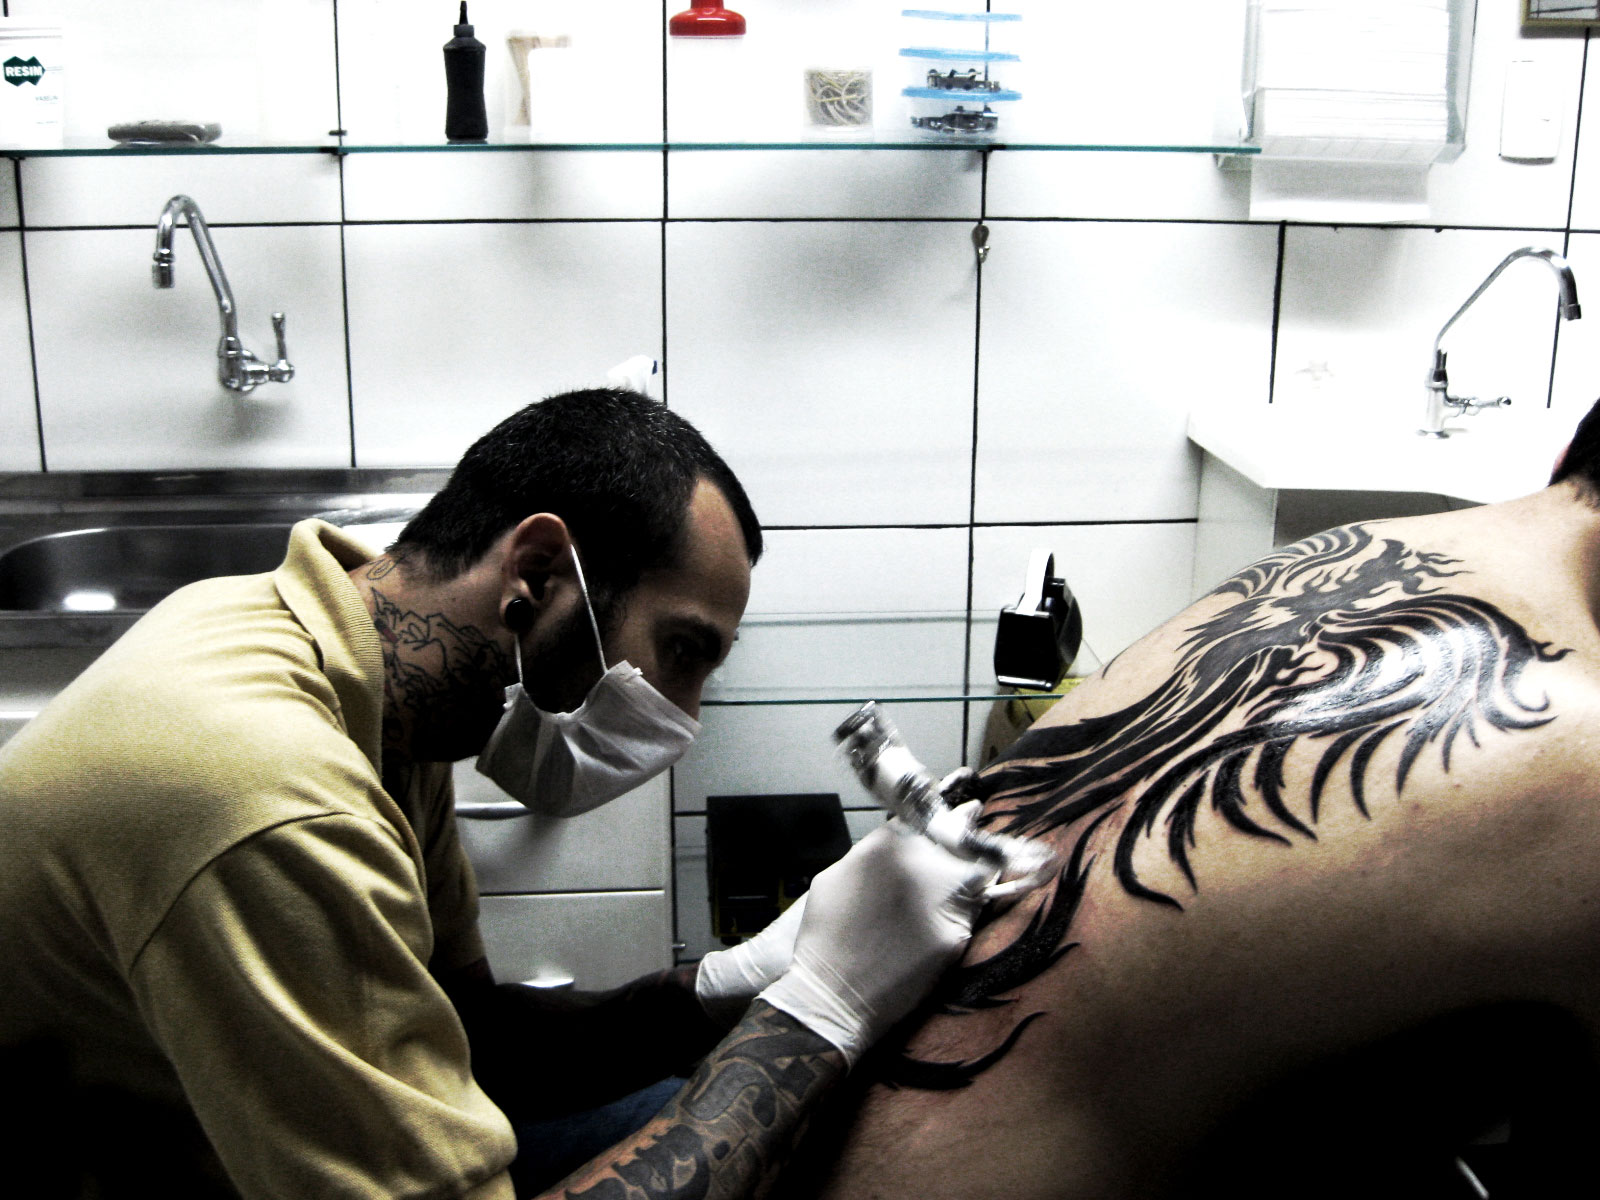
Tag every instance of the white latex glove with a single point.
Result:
(729, 979)
(880, 927)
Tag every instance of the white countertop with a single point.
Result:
(1496, 455)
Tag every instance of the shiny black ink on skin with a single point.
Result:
(1339, 641)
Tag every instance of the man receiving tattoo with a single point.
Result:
(1328, 910)
(238, 929)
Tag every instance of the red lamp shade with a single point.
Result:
(706, 20)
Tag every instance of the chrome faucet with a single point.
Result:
(237, 368)
(1441, 404)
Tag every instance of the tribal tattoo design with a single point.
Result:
(732, 1124)
(1337, 644)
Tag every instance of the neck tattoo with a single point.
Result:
(436, 675)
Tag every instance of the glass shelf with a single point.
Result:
(775, 697)
(512, 143)
(102, 148)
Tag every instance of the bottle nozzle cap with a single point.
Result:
(706, 19)
(462, 28)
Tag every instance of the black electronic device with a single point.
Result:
(761, 853)
(1038, 637)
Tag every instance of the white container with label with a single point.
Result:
(32, 83)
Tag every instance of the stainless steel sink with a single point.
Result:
(129, 568)
(83, 555)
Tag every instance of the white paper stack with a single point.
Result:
(1354, 80)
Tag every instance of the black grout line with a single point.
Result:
(863, 220)
(575, 891)
(1277, 311)
(338, 99)
(666, 214)
(349, 366)
(972, 466)
(849, 808)
(676, 936)
(1566, 236)
(344, 258)
(1577, 142)
(27, 304)
(934, 527)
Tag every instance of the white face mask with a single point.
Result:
(563, 764)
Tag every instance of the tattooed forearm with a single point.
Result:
(732, 1124)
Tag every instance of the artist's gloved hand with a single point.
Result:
(729, 979)
(880, 926)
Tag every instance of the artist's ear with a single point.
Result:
(540, 547)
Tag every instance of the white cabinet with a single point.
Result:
(621, 846)
(584, 898)
(596, 940)
(28, 678)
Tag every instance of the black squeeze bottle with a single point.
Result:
(464, 116)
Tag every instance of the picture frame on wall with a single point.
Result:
(1555, 14)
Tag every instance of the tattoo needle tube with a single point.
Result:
(899, 782)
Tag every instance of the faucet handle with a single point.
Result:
(283, 370)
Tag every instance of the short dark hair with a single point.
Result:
(1581, 462)
(618, 467)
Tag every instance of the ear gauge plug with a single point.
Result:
(519, 615)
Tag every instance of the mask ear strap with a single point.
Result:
(593, 624)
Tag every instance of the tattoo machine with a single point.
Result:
(899, 782)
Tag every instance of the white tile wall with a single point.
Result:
(9, 217)
(19, 419)
(455, 326)
(263, 69)
(468, 186)
(1116, 186)
(824, 183)
(128, 373)
(1093, 75)
(1481, 188)
(606, 84)
(863, 612)
(256, 190)
(1367, 304)
(753, 88)
(1097, 340)
(1586, 174)
(831, 363)
(1577, 373)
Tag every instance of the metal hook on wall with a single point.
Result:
(980, 241)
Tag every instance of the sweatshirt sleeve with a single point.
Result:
(288, 985)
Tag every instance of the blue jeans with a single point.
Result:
(550, 1150)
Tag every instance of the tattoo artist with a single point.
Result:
(234, 908)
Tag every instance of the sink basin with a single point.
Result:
(84, 554)
(1494, 457)
(128, 568)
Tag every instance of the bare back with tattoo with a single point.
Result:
(1336, 821)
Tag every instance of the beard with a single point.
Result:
(459, 698)
(559, 671)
